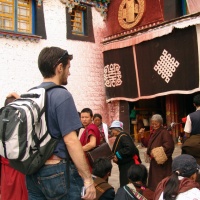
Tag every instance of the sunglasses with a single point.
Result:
(58, 61)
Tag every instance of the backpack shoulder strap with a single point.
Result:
(1, 109)
(49, 86)
(101, 186)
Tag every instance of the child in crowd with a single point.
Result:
(101, 171)
(136, 188)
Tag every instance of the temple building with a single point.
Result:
(151, 60)
(27, 26)
(132, 58)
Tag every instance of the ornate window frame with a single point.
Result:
(88, 34)
(37, 29)
(100, 5)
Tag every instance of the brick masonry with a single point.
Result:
(18, 63)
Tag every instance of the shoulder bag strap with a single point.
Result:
(137, 194)
(118, 142)
(102, 135)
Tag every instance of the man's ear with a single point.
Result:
(106, 176)
(109, 174)
(59, 68)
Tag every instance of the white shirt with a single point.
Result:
(188, 125)
(193, 194)
(105, 130)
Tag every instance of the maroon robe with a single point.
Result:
(13, 185)
(91, 129)
(161, 137)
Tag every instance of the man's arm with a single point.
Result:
(90, 145)
(76, 152)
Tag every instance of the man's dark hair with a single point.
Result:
(196, 100)
(137, 173)
(97, 115)
(101, 167)
(49, 58)
(87, 110)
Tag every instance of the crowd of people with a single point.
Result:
(81, 132)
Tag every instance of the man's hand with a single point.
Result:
(141, 131)
(75, 150)
(90, 190)
(13, 94)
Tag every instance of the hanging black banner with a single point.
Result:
(169, 63)
(119, 74)
(161, 66)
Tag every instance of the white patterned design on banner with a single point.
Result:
(112, 75)
(166, 66)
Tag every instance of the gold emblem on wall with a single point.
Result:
(130, 13)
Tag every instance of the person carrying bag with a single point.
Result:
(124, 151)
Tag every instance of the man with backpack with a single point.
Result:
(59, 178)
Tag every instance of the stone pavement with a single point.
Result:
(114, 178)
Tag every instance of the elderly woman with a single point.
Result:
(161, 138)
(123, 149)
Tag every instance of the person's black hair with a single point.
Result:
(97, 115)
(49, 58)
(171, 188)
(196, 100)
(137, 173)
(101, 167)
(87, 110)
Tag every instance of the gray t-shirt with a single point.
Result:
(62, 117)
